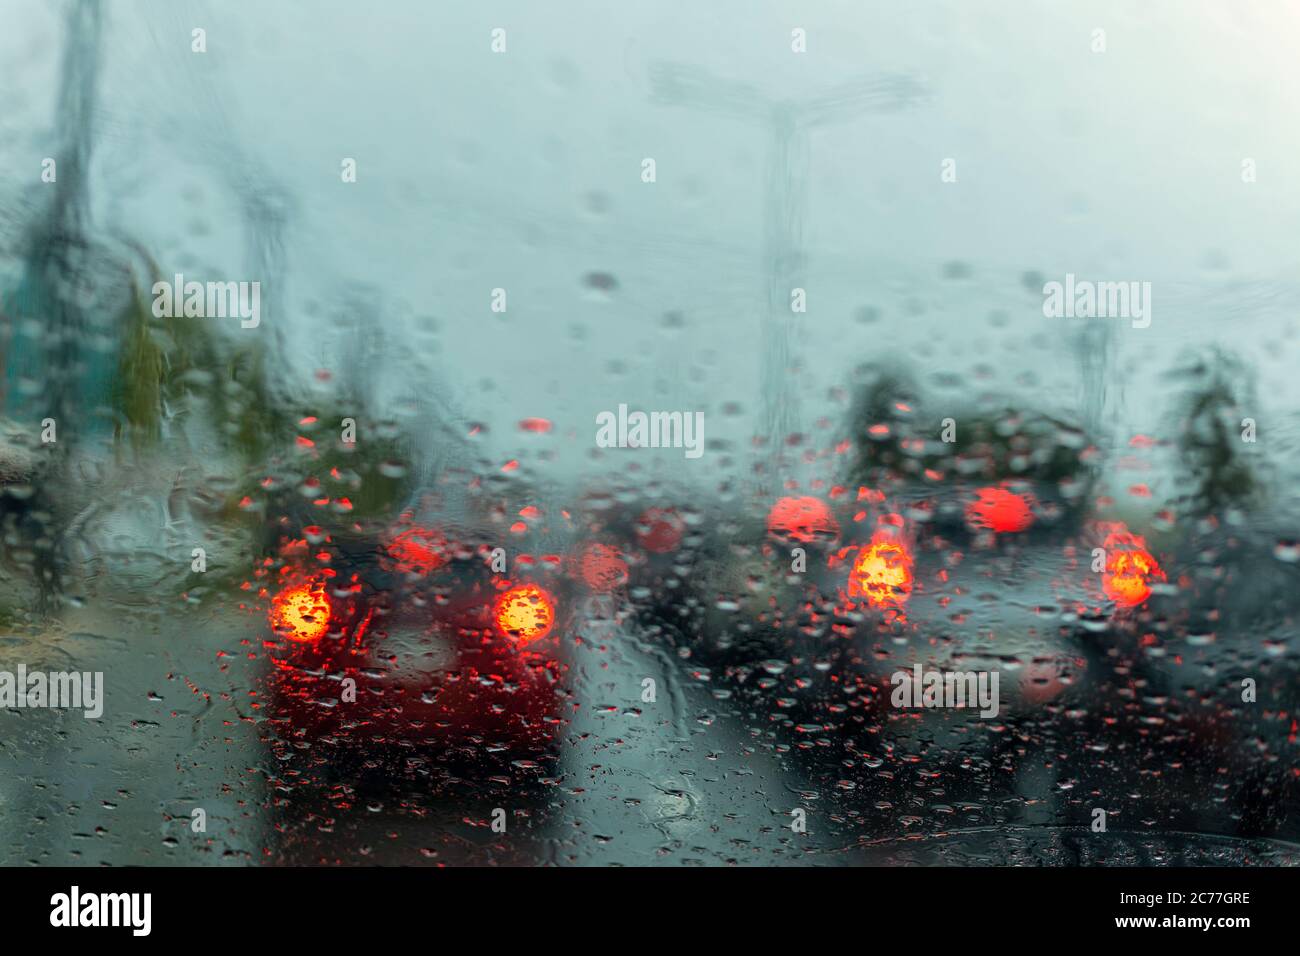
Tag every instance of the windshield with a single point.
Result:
(604, 438)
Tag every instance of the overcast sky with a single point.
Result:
(522, 170)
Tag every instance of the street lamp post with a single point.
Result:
(788, 122)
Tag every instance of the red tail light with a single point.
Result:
(603, 567)
(418, 551)
(301, 612)
(882, 572)
(659, 530)
(1001, 510)
(1130, 568)
(525, 613)
(803, 519)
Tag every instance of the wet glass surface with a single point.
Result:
(377, 563)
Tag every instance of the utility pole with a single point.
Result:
(60, 265)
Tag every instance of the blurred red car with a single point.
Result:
(412, 646)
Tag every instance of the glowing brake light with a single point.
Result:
(603, 567)
(1001, 510)
(301, 612)
(804, 519)
(418, 551)
(659, 530)
(525, 613)
(1130, 568)
(882, 573)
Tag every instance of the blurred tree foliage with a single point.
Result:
(185, 379)
(1218, 390)
(897, 436)
(174, 371)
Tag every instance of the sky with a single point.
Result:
(522, 170)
